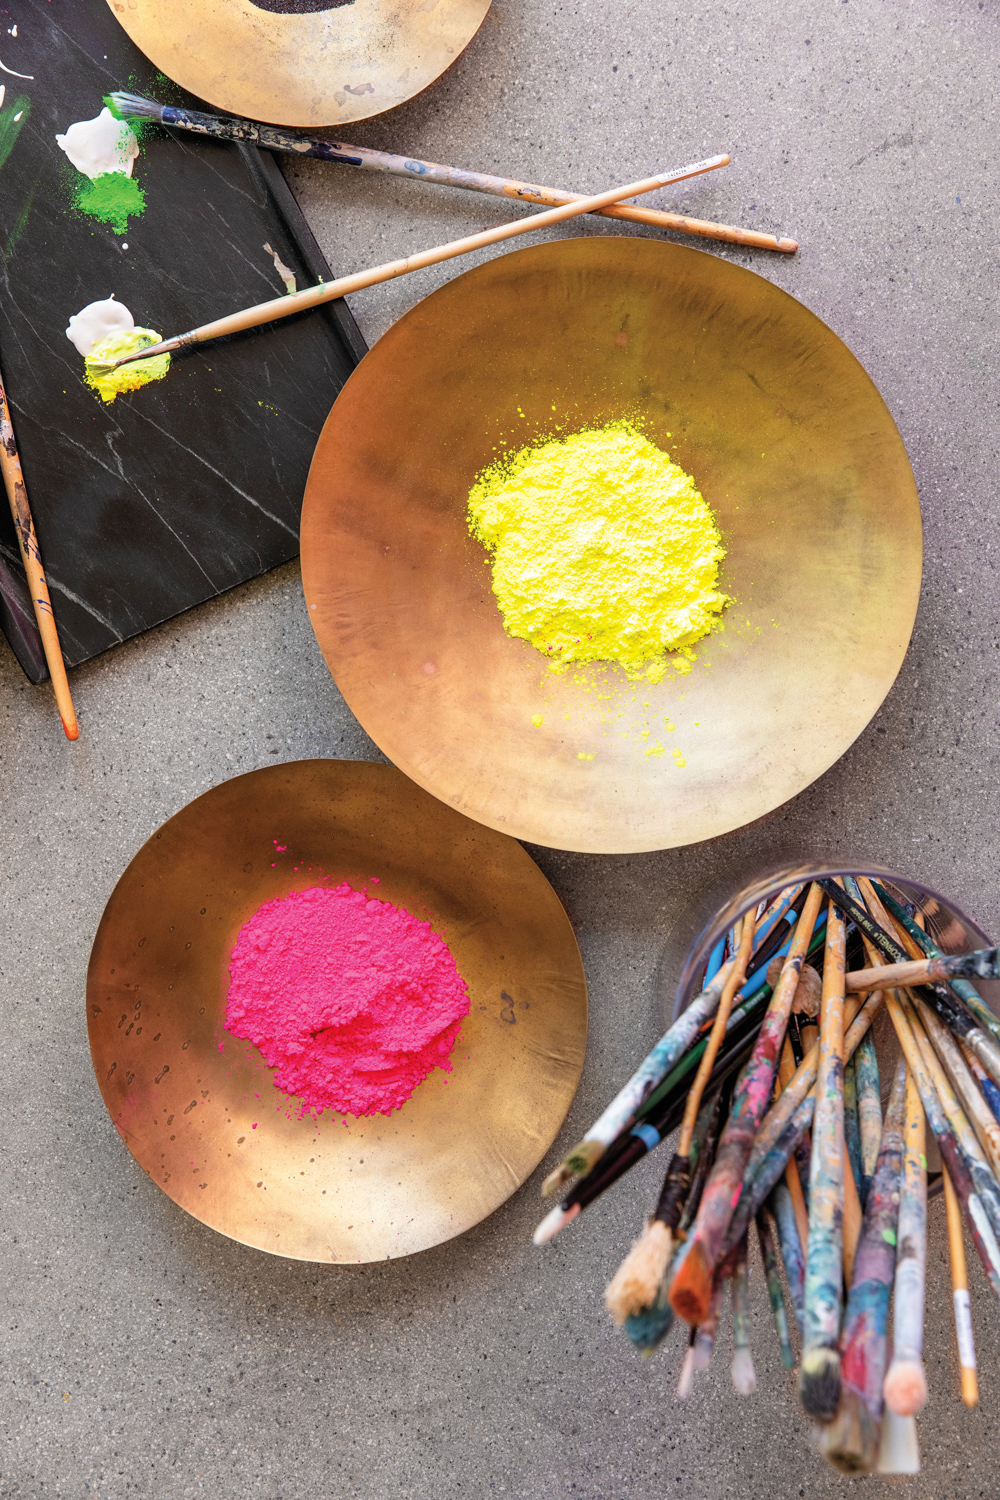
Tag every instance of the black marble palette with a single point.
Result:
(179, 491)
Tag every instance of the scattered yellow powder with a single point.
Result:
(536, 719)
(112, 383)
(602, 549)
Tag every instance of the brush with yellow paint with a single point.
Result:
(329, 291)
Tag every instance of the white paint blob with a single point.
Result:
(101, 145)
(98, 321)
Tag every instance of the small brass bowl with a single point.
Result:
(788, 440)
(199, 1110)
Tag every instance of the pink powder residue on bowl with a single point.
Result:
(353, 1001)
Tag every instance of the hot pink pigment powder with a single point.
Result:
(353, 1001)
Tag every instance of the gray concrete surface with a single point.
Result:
(142, 1354)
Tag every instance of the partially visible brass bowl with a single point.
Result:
(199, 1110)
(326, 65)
(788, 440)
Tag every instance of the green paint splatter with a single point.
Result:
(11, 121)
(112, 198)
(20, 224)
(111, 383)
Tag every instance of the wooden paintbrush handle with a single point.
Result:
(275, 139)
(17, 495)
(315, 296)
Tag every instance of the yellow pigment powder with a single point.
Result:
(602, 550)
(112, 383)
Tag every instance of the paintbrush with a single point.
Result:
(741, 1370)
(649, 1326)
(792, 1247)
(960, 1294)
(31, 557)
(851, 1441)
(329, 291)
(983, 964)
(775, 1292)
(635, 1284)
(905, 1387)
(869, 1109)
(272, 138)
(819, 1378)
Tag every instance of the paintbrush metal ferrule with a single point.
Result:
(166, 346)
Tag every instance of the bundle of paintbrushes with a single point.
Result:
(772, 1076)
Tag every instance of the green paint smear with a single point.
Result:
(20, 224)
(112, 198)
(111, 383)
(10, 128)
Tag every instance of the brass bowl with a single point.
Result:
(327, 65)
(791, 445)
(198, 1109)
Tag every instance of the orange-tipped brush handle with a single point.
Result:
(31, 557)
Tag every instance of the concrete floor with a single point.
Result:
(144, 1355)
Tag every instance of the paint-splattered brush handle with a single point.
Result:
(31, 557)
(770, 1169)
(291, 143)
(902, 1388)
(869, 1109)
(775, 1293)
(851, 1442)
(819, 1380)
(791, 1247)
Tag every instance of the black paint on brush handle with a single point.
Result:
(268, 136)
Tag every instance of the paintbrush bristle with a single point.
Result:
(743, 1373)
(819, 1383)
(851, 1441)
(905, 1387)
(648, 1329)
(899, 1452)
(134, 106)
(637, 1280)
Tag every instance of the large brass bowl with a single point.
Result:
(199, 1111)
(324, 65)
(791, 445)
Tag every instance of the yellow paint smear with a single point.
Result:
(111, 383)
(602, 550)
